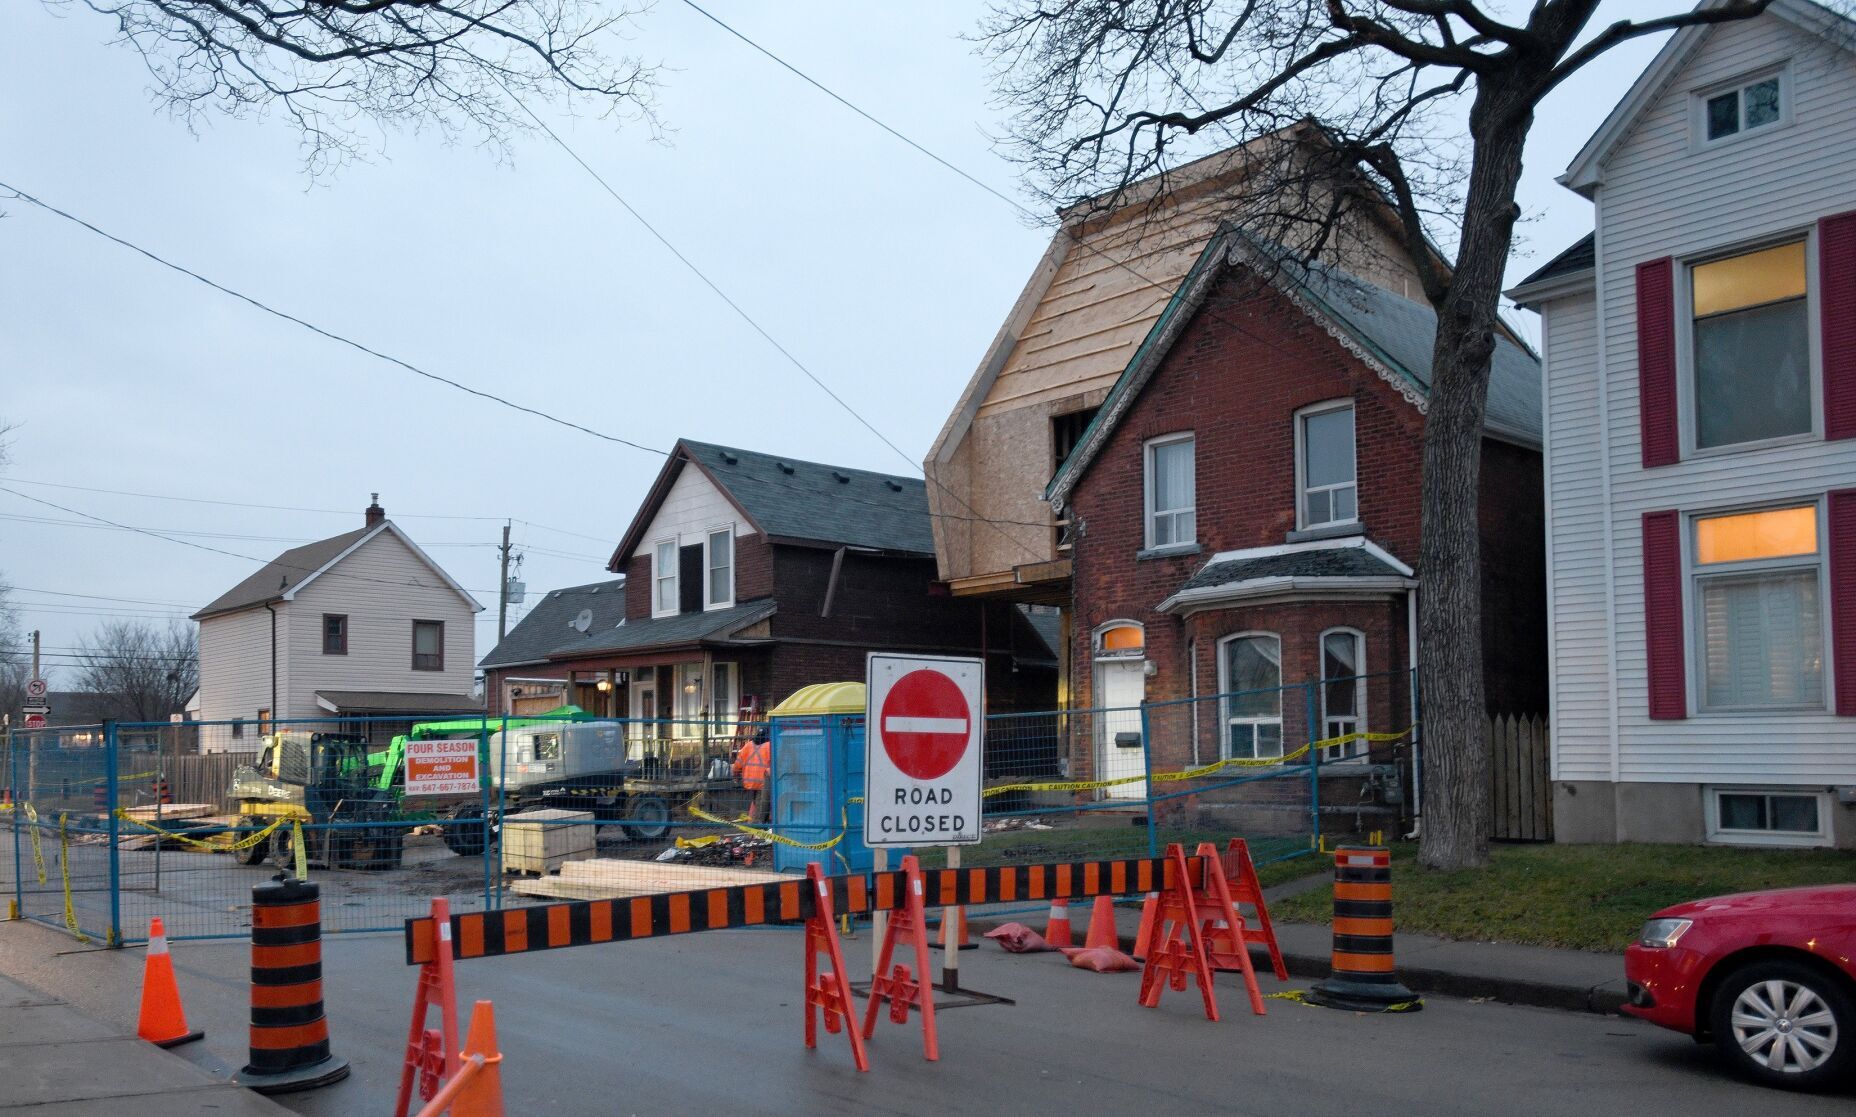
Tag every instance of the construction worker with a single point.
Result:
(752, 760)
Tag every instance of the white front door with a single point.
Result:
(1121, 684)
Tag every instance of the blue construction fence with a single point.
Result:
(112, 825)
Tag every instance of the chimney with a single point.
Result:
(375, 513)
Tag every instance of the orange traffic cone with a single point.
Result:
(163, 1022)
(1144, 938)
(1057, 931)
(483, 1095)
(1102, 925)
(961, 941)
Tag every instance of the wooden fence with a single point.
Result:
(191, 778)
(1521, 790)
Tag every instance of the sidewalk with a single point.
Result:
(1546, 977)
(56, 1060)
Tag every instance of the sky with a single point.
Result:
(885, 274)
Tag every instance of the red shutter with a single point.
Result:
(1662, 615)
(1836, 277)
(1656, 362)
(1843, 599)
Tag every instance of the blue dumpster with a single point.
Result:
(818, 768)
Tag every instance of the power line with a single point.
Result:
(98, 597)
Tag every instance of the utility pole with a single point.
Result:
(502, 589)
(35, 654)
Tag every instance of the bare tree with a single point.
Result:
(336, 66)
(142, 672)
(1427, 105)
(14, 665)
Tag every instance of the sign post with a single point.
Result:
(446, 767)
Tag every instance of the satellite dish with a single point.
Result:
(582, 622)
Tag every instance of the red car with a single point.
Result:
(1769, 977)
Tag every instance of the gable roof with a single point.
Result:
(789, 499)
(1390, 334)
(281, 578)
(642, 634)
(1586, 171)
(1576, 260)
(549, 623)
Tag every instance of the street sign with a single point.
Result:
(35, 721)
(923, 726)
(35, 688)
(442, 767)
(36, 708)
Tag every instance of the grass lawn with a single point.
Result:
(1588, 897)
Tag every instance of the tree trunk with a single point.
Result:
(1454, 748)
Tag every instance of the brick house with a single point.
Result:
(1246, 517)
(745, 576)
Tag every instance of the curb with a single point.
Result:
(1420, 979)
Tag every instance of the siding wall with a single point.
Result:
(235, 669)
(383, 588)
(691, 508)
(1662, 197)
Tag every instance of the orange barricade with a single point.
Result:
(432, 1054)
(1182, 939)
(901, 988)
(1241, 875)
(829, 992)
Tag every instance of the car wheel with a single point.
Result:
(1785, 1024)
(648, 820)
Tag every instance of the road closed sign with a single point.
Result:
(923, 727)
(442, 767)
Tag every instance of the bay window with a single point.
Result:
(1343, 691)
(1250, 677)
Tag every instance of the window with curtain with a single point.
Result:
(720, 566)
(1343, 691)
(725, 704)
(1330, 493)
(1759, 609)
(689, 701)
(664, 578)
(1251, 670)
(1170, 492)
(1752, 377)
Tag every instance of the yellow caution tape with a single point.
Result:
(1300, 996)
(173, 835)
(698, 843)
(1196, 773)
(302, 855)
(38, 858)
(64, 870)
(697, 812)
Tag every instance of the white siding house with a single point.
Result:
(362, 624)
(1701, 448)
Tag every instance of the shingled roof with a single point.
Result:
(1354, 562)
(549, 623)
(789, 498)
(281, 574)
(1581, 256)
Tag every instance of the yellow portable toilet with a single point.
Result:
(818, 768)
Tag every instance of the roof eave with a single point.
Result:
(1250, 591)
(1529, 296)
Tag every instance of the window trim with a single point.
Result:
(1693, 571)
(1148, 478)
(1355, 750)
(1302, 415)
(1225, 720)
(1097, 651)
(708, 570)
(1686, 420)
(1716, 834)
(657, 577)
(1699, 98)
(326, 617)
(414, 649)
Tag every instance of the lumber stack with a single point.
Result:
(611, 878)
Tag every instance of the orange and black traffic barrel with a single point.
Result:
(1362, 977)
(289, 1033)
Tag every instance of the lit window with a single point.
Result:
(1741, 110)
(1758, 610)
(1325, 466)
(1343, 691)
(1121, 640)
(664, 578)
(1752, 347)
(1170, 492)
(1250, 675)
(719, 568)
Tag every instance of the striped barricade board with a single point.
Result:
(587, 922)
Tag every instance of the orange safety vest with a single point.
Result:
(751, 763)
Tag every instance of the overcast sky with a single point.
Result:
(886, 274)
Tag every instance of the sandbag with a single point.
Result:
(1102, 959)
(1016, 938)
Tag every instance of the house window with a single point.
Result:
(1065, 432)
(1759, 610)
(1765, 816)
(719, 569)
(644, 705)
(1170, 517)
(1752, 347)
(238, 728)
(724, 695)
(428, 645)
(689, 701)
(1343, 691)
(1250, 675)
(664, 579)
(1125, 640)
(1730, 112)
(264, 722)
(1324, 465)
(334, 634)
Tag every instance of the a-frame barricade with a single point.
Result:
(1240, 874)
(1184, 942)
(902, 988)
(830, 992)
(1222, 925)
(432, 1054)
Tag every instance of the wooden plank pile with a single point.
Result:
(611, 878)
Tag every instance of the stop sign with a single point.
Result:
(35, 721)
(922, 769)
(926, 722)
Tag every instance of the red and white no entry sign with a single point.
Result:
(922, 766)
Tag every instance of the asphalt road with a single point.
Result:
(712, 1024)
